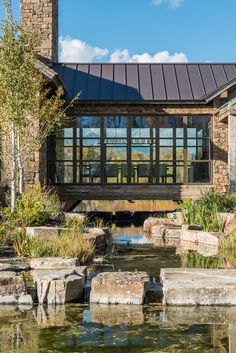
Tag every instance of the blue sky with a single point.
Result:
(147, 30)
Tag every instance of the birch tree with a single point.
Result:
(29, 110)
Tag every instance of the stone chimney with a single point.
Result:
(42, 17)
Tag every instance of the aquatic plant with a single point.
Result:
(205, 212)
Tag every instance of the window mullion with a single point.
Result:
(185, 124)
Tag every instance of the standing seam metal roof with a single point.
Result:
(144, 82)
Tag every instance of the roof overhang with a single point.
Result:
(227, 109)
(45, 70)
(220, 91)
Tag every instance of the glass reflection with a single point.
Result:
(125, 149)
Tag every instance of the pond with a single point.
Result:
(116, 329)
(135, 251)
(124, 328)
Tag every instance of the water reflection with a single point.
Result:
(150, 329)
(130, 236)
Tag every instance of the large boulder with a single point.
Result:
(153, 221)
(52, 263)
(59, 286)
(183, 286)
(100, 236)
(119, 288)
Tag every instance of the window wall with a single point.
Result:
(132, 150)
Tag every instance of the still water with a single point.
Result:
(115, 329)
(124, 328)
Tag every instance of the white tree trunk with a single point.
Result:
(20, 167)
(13, 167)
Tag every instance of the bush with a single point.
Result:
(229, 243)
(205, 212)
(71, 242)
(34, 207)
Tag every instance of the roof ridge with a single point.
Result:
(140, 63)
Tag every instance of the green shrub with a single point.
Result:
(228, 242)
(205, 212)
(34, 207)
(71, 242)
(6, 236)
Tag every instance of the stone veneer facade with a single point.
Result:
(42, 16)
(220, 155)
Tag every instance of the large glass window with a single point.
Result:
(133, 150)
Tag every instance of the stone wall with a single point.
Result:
(42, 17)
(232, 153)
(220, 155)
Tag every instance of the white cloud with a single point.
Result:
(160, 57)
(171, 3)
(75, 50)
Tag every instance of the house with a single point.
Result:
(136, 131)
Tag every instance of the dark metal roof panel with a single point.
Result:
(81, 81)
(106, 91)
(196, 82)
(132, 83)
(172, 91)
(230, 70)
(159, 90)
(208, 78)
(183, 82)
(94, 82)
(144, 82)
(119, 89)
(219, 75)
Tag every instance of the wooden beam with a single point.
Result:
(129, 109)
(129, 192)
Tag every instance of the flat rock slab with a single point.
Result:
(52, 263)
(198, 286)
(43, 232)
(59, 286)
(11, 267)
(201, 237)
(119, 288)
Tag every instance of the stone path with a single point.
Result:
(198, 286)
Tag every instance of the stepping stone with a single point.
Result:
(119, 288)
(52, 263)
(198, 286)
(59, 286)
